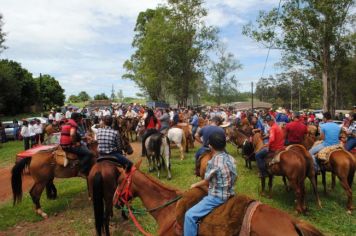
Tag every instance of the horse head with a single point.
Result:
(126, 146)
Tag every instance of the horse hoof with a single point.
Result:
(42, 213)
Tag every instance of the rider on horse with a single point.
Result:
(275, 144)
(71, 141)
(220, 177)
(151, 127)
(329, 133)
(205, 133)
(351, 132)
(109, 143)
(295, 130)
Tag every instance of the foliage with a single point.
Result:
(51, 94)
(309, 33)
(2, 35)
(171, 44)
(73, 98)
(18, 89)
(101, 96)
(223, 83)
(83, 96)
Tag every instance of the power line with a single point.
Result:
(270, 45)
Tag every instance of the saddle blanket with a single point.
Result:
(324, 154)
(227, 219)
(39, 148)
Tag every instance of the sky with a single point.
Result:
(84, 43)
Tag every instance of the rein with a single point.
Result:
(123, 194)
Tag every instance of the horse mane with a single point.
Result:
(160, 184)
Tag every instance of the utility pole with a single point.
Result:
(40, 98)
(112, 93)
(291, 94)
(252, 96)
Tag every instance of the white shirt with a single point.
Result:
(68, 114)
(130, 114)
(50, 117)
(238, 115)
(59, 116)
(32, 130)
(25, 131)
(97, 113)
(171, 115)
(106, 113)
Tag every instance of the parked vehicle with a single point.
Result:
(9, 129)
(43, 120)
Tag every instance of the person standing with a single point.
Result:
(16, 129)
(32, 129)
(220, 177)
(69, 112)
(194, 123)
(25, 133)
(351, 132)
(164, 119)
(59, 115)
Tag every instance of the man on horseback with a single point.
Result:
(71, 141)
(110, 144)
(151, 127)
(205, 133)
(275, 144)
(295, 130)
(220, 177)
(329, 133)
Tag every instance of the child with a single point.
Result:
(220, 176)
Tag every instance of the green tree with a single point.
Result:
(171, 44)
(2, 35)
(223, 84)
(73, 99)
(18, 89)
(101, 96)
(83, 96)
(50, 91)
(309, 33)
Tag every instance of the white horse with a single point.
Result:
(177, 136)
(158, 153)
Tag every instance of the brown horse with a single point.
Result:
(293, 165)
(241, 140)
(128, 126)
(44, 168)
(342, 164)
(102, 182)
(156, 196)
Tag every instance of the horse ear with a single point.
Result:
(138, 164)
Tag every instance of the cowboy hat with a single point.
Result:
(225, 124)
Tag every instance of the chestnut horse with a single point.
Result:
(342, 164)
(295, 164)
(44, 169)
(102, 182)
(159, 197)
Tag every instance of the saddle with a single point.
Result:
(62, 158)
(198, 163)
(275, 157)
(231, 218)
(324, 154)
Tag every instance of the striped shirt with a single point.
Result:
(108, 140)
(221, 174)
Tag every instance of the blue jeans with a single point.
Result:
(201, 209)
(200, 151)
(350, 144)
(313, 151)
(260, 159)
(194, 130)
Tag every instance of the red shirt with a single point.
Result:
(151, 124)
(276, 138)
(295, 131)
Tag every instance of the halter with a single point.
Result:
(123, 193)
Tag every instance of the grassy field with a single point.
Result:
(76, 212)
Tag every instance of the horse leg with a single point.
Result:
(270, 183)
(36, 192)
(89, 197)
(323, 179)
(348, 190)
(313, 180)
(249, 163)
(51, 190)
(332, 181)
(286, 185)
(263, 185)
(181, 151)
(298, 194)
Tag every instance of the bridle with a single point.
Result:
(123, 194)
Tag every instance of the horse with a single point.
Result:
(239, 139)
(342, 164)
(177, 136)
(128, 126)
(158, 153)
(44, 168)
(102, 182)
(161, 201)
(188, 134)
(293, 165)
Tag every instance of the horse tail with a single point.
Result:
(51, 190)
(16, 178)
(351, 174)
(306, 229)
(98, 203)
(184, 142)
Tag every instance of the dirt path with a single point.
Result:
(5, 182)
